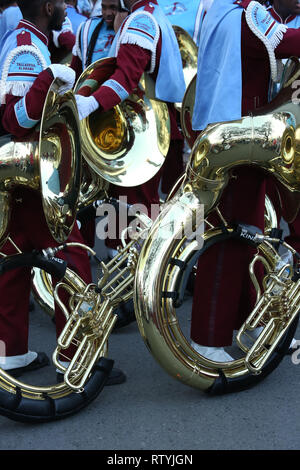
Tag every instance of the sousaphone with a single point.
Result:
(189, 56)
(49, 161)
(126, 145)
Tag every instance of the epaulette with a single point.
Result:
(243, 3)
(24, 38)
(149, 8)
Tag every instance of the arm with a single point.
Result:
(66, 40)
(289, 45)
(21, 114)
(76, 65)
(132, 61)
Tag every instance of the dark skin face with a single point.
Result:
(109, 10)
(58, 15)
(286, 8)
(49, 16)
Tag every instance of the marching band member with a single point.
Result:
(84, 7)
(95, 37)
(188, 15)
(145, 42)
(89, 7)
(93, 42)
(73, 15)
(61, 42)
(22, 97)
(234, 71)
(285, 12)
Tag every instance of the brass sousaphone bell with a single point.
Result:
(48, 161)
(189, 56)
(126, 145)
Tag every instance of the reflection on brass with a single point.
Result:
(187, 111)
(275, 309)
(108, 139)
(128, 144)
(189, 56)
(49, 161)
(269, 141)
(90, 311)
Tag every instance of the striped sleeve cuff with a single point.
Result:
(117, 88)
(22, 116)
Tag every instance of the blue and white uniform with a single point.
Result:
(143, 28)
(24, 55)
(9, 20)
(188, 15)
(105, 37)
(75, 18)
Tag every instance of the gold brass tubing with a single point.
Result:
(57, 299)
(65, 338)
(258, 345)
(275, 343)
(114, 279)
(296, 289)
(221, 216)
(91, 361)
(28, 387)
(14, 244)
(253, 276)
(123, 285)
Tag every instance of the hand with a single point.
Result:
(86, 105)
(65, 75)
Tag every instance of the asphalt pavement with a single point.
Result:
(153, 411)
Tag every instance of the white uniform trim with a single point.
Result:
(17, 88)
(129, 38)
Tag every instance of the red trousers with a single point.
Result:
(293, 238)
(29, 231)
(173, 167)
(87, 231)
(147, 193)
(224, 295)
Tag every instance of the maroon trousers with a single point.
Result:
(29, 231)
(224, 295)
(293, 238)
(148, 193)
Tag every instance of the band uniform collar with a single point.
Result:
(31, 27)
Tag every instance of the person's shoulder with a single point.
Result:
(243, 3)
(144, 20)
(90, 23)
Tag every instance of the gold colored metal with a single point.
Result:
(189, 55)
(37, 392)
(187, 111)
(92, 188)
(275, 310)
(270, 216)
(48, 161)
(128, 144)
(268, 141)
(60, 163)
(90, 317)
(42, 290)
